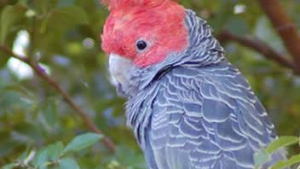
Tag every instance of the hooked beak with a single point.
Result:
(119, 69)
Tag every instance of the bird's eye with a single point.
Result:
(141, 45)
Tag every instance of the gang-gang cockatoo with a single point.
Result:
(188, 106)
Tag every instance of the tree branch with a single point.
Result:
(258, 46)
(42, 74)
(284, 27)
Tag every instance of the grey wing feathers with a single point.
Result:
(207, 118)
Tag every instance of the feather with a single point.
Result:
(114, 4)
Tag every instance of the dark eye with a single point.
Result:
(141, 45)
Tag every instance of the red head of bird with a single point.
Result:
(144, 31)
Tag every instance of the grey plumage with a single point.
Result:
(195, 110)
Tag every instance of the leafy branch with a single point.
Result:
(43, 75)
(264, 155)
(56, 154)
(287, 31)
(259, 46)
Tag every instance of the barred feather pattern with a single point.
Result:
(195, 110)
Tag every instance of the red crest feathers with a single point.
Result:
(113, 4)
(159, 22)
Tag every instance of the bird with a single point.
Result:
(188, 106)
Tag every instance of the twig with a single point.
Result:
(284, 27)
(259, 46)
(42, 74)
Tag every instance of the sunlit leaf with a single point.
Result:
(261, 157)
(55, 150)
(41, 157)
(282, 142)
(69, 163)
(82, 141)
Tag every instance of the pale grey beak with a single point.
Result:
(119, 68)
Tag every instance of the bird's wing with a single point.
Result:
(207, 118)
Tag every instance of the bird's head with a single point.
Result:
(144, 31)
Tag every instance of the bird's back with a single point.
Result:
(202, 117)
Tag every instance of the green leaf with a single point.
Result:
(9, 16)
(261, 157)
(25, 154)
(282, 142)
(41, 157)
(69, 163)
(282, 164)
(82, 141)
(55, 150)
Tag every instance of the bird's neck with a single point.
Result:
(203, 50)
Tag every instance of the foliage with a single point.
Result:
(64, 37)
(56, 154)
(265, 155)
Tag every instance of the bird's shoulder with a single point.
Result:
(206, 111)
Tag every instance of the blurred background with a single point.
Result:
(61, 38)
